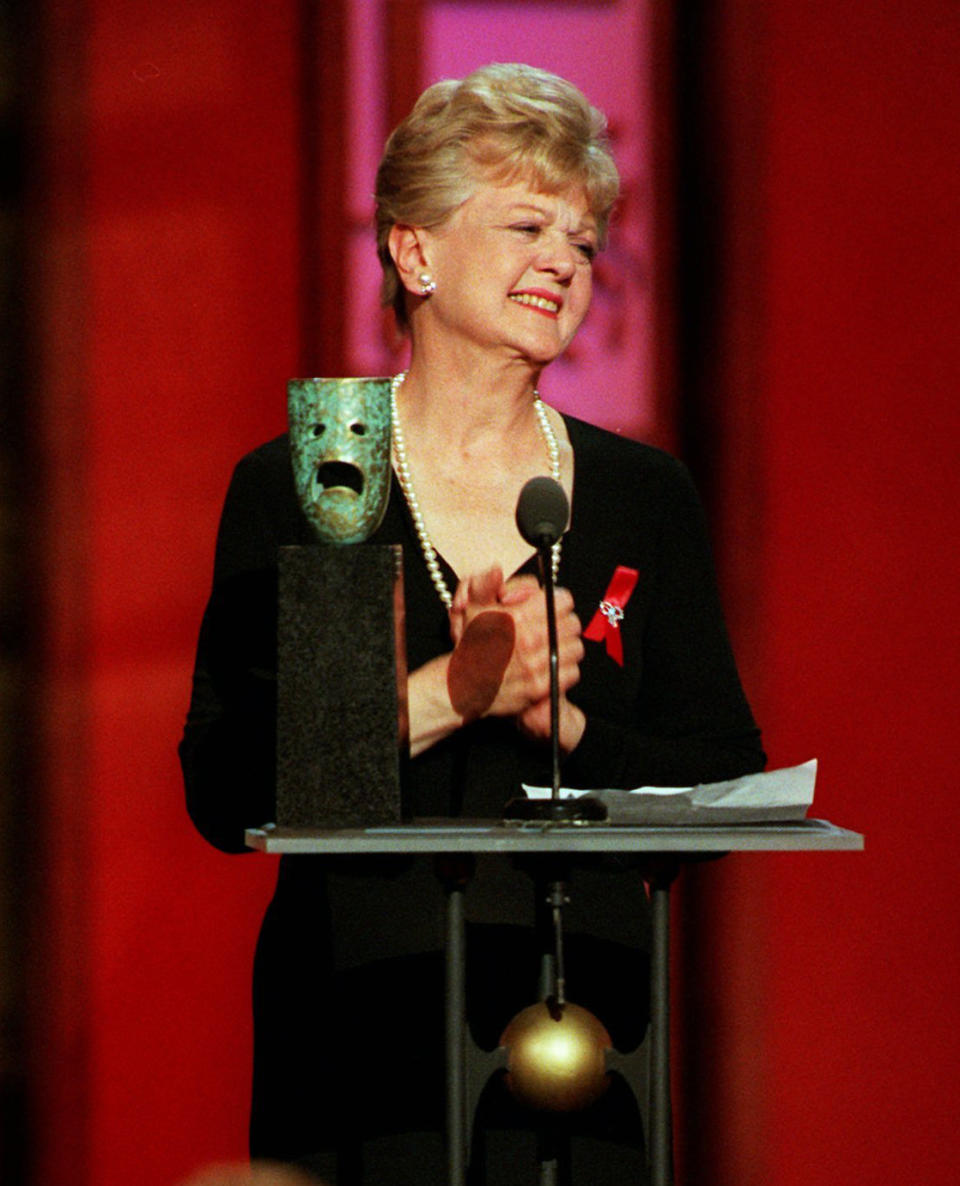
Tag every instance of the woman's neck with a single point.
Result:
(463, 402)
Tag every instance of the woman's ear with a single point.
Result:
(407, 251)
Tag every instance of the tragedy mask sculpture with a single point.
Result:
(340, 447)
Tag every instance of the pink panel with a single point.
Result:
(605, 49)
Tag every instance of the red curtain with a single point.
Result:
(166, 302)
(822, 998)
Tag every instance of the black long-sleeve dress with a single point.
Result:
(347, 984)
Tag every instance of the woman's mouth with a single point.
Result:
(541, 302)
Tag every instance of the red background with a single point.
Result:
(167, 290)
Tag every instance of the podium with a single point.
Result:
(663, 850)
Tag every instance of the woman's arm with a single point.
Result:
(228, 748)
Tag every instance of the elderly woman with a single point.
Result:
(493, 198)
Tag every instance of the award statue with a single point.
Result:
(341, 663)
(340, 448)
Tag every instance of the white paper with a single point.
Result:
(775, 795)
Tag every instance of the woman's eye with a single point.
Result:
(527, 228)
(587, 250)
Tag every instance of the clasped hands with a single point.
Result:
(500, 665)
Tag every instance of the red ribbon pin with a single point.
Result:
(605, 626)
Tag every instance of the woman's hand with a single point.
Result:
(500, 664)
(536, 722)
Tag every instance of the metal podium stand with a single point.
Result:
(672, 846)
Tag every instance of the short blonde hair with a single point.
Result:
(501, 122)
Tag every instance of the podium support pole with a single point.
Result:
(661, 1168)
(455, 872)
(456, 1010)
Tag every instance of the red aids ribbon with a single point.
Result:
(605, 626)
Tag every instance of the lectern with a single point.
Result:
(668, 848)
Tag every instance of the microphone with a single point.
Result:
(542, 512)
(542, 516)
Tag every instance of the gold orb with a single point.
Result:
(555, 1057)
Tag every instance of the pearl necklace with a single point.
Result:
(406, 485)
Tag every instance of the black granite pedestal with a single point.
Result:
(341, 686)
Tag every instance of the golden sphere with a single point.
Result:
(555, 1057)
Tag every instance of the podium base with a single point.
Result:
(571, 812)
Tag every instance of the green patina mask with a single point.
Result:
(340, 447)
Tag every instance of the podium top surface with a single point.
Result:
(477, 836)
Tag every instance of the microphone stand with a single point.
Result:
(581, 810)
(546, 580)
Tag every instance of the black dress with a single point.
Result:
(348, 980)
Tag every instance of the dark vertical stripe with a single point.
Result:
(403, 57)
(324, 149)
(56, 491)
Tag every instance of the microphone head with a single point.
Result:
(542, 512)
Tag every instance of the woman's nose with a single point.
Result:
(559, 257)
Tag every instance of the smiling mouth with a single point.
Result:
(541, 303)
(339, 476)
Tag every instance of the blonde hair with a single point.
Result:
(502, 122)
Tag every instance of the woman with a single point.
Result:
(493, 198)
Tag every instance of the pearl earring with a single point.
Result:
(427, 284)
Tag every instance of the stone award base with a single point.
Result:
(341, 686)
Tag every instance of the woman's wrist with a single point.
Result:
(430, 712)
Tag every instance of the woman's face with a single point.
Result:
(513, 269)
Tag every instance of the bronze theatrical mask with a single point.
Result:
(340, 447)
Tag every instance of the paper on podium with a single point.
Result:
(774, 796)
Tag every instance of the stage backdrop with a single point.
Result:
(189, 247)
